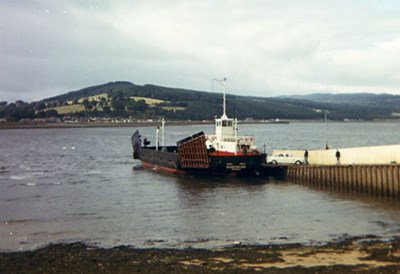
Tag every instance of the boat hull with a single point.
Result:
(240, 164)
(167, 159)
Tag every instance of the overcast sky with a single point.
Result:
(264, 48)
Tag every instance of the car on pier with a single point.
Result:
(285, 158)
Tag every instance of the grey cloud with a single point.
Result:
(265, 48)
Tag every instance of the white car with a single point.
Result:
(285, 159)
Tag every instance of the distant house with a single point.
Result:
(39, 120)
(25, 120)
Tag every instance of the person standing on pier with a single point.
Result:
(337, 157)
(306, 157)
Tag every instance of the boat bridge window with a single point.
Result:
(226, 123)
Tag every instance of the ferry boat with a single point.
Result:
(224, 152)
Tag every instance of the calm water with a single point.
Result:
(81, 184)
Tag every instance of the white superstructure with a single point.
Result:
(225, 141)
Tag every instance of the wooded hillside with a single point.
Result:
(125, 99)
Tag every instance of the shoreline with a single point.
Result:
(157, 123)
(366, 254)
(93, 125)
(104, 125)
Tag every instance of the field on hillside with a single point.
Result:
(172, 108)
(149, 101)
(69, 109)
(96, 97)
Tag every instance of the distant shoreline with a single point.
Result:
(158, 123)
(92, 124)
(131, 124)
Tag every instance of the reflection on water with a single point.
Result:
(81, 184)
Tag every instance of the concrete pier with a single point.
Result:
(379, 180)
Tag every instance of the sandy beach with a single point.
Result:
(361, 254)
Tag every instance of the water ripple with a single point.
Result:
(81, 184)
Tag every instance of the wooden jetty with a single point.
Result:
(371, 170)
(380, 180)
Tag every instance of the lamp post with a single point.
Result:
(326, 134)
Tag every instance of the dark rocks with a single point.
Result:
(373, 256)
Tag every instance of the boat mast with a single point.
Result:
(162, 135)
(162, 132)
(223, 83)
(157, 133)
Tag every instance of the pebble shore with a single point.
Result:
(362, 254)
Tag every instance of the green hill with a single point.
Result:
(125, 99)
(363, 105)
(360, 99)
(181, 104)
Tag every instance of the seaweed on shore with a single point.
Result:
(370, 255)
